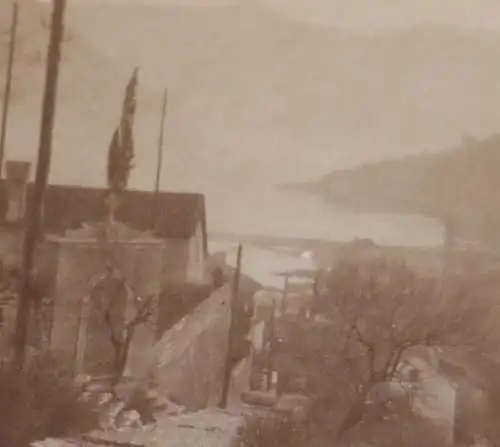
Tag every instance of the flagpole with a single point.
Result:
(34, 221)
(159, 160)
(8, 81)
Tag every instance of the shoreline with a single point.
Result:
(269, 258)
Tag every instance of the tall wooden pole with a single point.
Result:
(232, 329)
(34, 222)
(8, 81)
(285, 295)
(159, 160)
(272, 346)
(448, 251)
(450, 222)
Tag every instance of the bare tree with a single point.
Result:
(121, 331)
(394, 423)
(381, 310)
(391, 424)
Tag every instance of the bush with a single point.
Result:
(39, 403)
(276, 431)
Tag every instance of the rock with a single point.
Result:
(126, 389)
(174, 409)
(104, 399)
(128, 419)
(82, 380)
(295, 406)
(157, 401)
(98, 386)
(259, 398)
(86, 397)
(160, 403)
(150, 403)
(109, 414)
(51, 442)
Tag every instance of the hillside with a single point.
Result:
(462, 181)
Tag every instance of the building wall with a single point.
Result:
(196, 259)
(184, 259)
(456, 402)
(175, 261)
(78, 264)
(471, 412)
(435, 397)
(188, 360)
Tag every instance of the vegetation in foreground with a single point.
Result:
(39, 403)
(383, 314)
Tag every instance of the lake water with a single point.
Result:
(268, 211)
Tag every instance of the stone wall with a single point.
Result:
(240, 382)
(188, 361)
(175, 260)
(196, 260)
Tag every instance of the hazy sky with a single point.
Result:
(263, 100)
(256, 101)
(389, 13)
(365, 14)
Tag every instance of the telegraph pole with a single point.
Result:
(34, 221)
(159, 160)
(285, 294)
(272, 348)
(8, 81)
(232, 328)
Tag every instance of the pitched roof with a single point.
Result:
(177, 214)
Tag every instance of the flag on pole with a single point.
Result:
(121, 148)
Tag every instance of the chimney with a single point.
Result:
(17, 173)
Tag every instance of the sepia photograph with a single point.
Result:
(249, 223)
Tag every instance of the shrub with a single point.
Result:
(41, 402)
(276, 431)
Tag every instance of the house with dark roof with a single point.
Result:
(177, 217)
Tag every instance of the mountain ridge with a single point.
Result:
(458, 183)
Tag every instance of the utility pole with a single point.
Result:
(449, 223)
(8, 81)
(232, 328)
(285, 294)
(272, 348)
(450, 219)
(34, 221)
(159, 161)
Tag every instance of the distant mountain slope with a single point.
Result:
(463, 182)
(255, 97)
